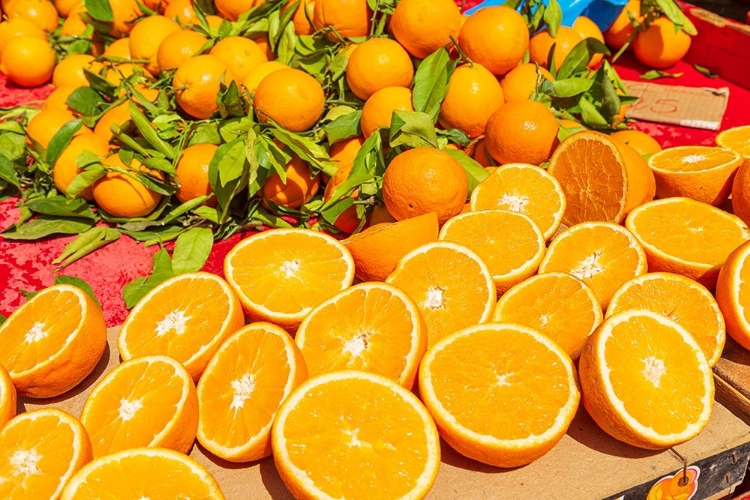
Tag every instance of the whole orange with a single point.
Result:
(660, 46)
(65, 7)
(197, 83)
(122, 196)
(58, 98)
(378, 110)
(124, 12)
(622, 28)
(520, 82)
(424, 180)
(522, 132)
(18, 27)
(240, 54)
(40, 12)
(28, 61)
(376, 64)
(258, 73)
(45, 124)
(589, 29)
(231, 9)
(119, 48)
(192, 173)
(66, 166)
(305, 10)
(147, 35)
(423, 26)
(120, 116)
(541, 44)
(350, 18)
(75, 25)
(182, 11)
(178, 47)
(473, 95)
(290, 97)
(640, 141)
(265, 46)
(344, 152)
(495, 37)
(299, 188)
(70, 71)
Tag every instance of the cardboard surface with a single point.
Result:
(586, 464)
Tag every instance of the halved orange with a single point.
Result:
(645, 380)
(558, 305)
(373, 327)
(282, 274)
(243, 387)
(186, 317)
(451, 285)
(733, 294)
(8, 397)
(53, 341)
(687, 237)
(526, 189)
(39, 452)
(142, 473)
(737, 138)
(377, 249)
(354, 434)
(680, 299)
(500, 393)
(147, 401)
(702, 173)
(510, 243)
(601, 254)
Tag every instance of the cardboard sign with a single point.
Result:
(685, 106)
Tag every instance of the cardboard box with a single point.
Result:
(586, 464)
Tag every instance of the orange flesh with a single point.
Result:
(357, 429)
(693, 159)
(674, 402)
(518, 382)
(737, 139)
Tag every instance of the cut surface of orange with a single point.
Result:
(645, 380)
(281, 274)
(687, 237)
(733, 294)
(558, 305)
(502, 394)
(702, 173)
(147, 401)
(8, 397)
(510, 243)
(338, 426)
(243, 387)
(373, 327)
(601, 254)
(680, 299)
(451, 285)
(39, 452)
(53, 341)
(526, 189)
(186, 317)
(377, 249)
(154, 473)
(737, 138)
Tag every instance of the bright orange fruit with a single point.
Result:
(732, 294)
(8, 397)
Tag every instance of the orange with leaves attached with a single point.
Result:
(491, 28)
(290, 97)
(192, 173)
(121, 195)
(424, 26)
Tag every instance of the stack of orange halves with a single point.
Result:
(322, 376)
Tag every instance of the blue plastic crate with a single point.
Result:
(602, 12)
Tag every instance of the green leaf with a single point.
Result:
(2, 319)
(86, 243)
(159, 234)
(61, 140)
(672, 10)
(13, 146)
(99, 10)
(134, 291)
(343, 127)
(413, 129)
(307, 149)
(656, 73)
(62, 207)
(591, 115)
(367, 165)
(191, 250)
(84, 100)
(332, 213)
(230, 101)
(78, 283)
(206, 133)
(570, 87)
(455, 135)
(46, 225)
(285, 47)
(231, 161)
(578, 59)
(475, 172)
(207, 213)
(553, 17)
(233, 128)
(705, 71)
(431, 83)
(8, 173)
(85, 179)
(147, 130)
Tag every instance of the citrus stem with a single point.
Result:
(461, 53)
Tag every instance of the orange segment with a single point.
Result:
(502, 394)
(53, 341)
(737, 138)
(510, 243)
(334, 427)
(243, 387)
(645, 380)
(733, 294)
(372, 327)
(525, 189)
(601, 254)
(143, 473)
(699, 172)
(451, 285)
(558, 305)
(39, 452)
(148, 401)
(687, 237)
(680, 299)
(8, 397)
(269, 272)
(186, 317)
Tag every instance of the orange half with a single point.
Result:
(8, 397)
(737, 138)
(733, 294)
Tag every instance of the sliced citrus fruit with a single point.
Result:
(702, 173)
(645, 380)
(737, 138)
(337, 425)
(142, 473)
(53, 341)
(558, 305)
(680, 299)
(451, 285)
(39, 452)
(510, 243)
(8, 397)
(281, 274)
(687, 237)
(377, 249)
(147, 401)
(733, 294)
(500, 393)
(186, 317)
(373, 327)
(601, 254)
(603, 179)
(741, 192)
(525, 189)
(243, 387)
